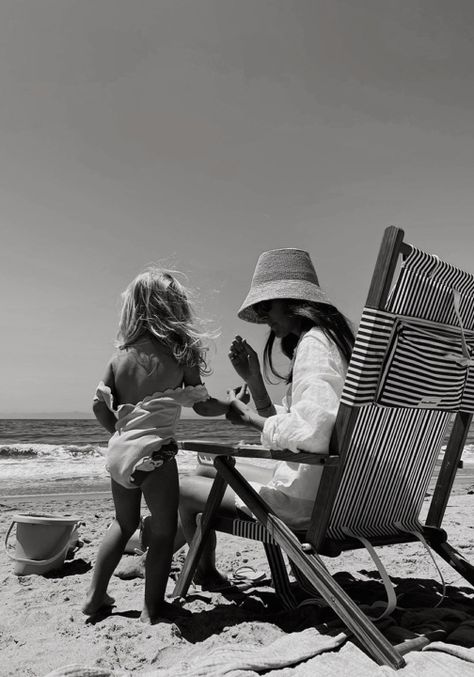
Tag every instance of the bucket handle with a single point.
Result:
(24, 560)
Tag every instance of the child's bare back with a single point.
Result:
(143, 369)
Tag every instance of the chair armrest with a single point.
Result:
(241, 450)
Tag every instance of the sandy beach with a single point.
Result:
(42, 628)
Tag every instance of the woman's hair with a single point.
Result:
(311, 314)
(156, 303)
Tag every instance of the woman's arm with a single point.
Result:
(245, 362)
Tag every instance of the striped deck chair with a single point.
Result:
(411, 375)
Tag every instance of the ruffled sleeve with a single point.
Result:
(188, 395)
(104, 394)
(318, 379)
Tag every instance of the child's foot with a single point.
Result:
(93, 606)
(165, 613)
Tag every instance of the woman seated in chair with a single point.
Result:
(316, 338)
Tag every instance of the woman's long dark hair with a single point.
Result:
(322, 315)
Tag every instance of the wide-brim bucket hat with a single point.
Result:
(282, 274)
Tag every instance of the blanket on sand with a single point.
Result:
(299, 654)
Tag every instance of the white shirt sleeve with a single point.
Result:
(318, 379)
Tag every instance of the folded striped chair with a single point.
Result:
(411, 374)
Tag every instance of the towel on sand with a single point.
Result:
(299, 654)
(232, 661)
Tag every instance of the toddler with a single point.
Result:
(157, 369)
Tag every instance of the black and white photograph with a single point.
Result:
(237, 330)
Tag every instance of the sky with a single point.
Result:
(198, 133)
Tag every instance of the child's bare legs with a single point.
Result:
(161, 491)
(194, 492)
(127, 518)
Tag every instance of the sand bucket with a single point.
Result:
(42, 542)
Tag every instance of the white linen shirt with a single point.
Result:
(304, 422)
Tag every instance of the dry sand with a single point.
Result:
(42, 628)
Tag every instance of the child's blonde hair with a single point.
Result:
(155, 302)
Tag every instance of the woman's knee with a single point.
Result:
(193, 492)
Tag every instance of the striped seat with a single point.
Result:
(409, 389)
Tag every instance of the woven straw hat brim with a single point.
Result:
(300, 290)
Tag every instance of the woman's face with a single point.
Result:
(275, 314)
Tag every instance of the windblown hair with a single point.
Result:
(156, 303)
(327, 317)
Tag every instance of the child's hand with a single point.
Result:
(240, 393)
(244, 359)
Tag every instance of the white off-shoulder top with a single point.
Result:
(304, 422)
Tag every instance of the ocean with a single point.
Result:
(67, 455)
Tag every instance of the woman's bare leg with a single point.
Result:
(161, 492)
(127, 517)
(193, 495)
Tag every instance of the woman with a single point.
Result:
(315, 337)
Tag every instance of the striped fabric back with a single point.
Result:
(247, 528)
(425, 287)
(387, 471)
(412, 367)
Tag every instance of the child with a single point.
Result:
(156, 370)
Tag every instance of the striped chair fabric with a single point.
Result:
(408, 375)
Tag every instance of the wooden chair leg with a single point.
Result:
(201, 535)
(311, 565)
(455, 559)
(303, 582)
(280, 579)
(449, 467)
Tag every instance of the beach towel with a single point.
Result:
(299, 654)
(232, 661)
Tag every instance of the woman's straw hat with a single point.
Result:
(282, 274)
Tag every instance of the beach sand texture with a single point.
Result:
(42, 628)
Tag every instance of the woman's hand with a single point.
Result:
(244, 359)
(240, 413)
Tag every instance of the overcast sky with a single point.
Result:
(201, 132)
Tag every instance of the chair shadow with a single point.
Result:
(418, 598)
(245, 606)
(259, 604)
(411, 592)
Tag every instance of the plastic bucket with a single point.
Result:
(42, 542)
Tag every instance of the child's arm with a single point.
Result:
(106, 418)
(210, 407)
